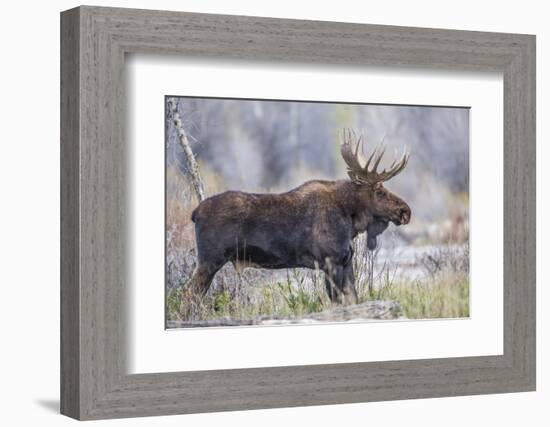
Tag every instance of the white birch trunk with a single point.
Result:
(196, 179)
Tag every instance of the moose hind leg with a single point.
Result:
(196, 288)
(202, 278)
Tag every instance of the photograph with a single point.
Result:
(291, 212)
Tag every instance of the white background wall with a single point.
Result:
(29, 213)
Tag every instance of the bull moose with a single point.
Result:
(311, 226)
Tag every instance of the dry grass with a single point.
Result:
(445, 295)
(257, 295)
(441, 293)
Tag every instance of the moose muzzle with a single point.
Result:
(404, 215)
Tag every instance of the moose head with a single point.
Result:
(377, 205)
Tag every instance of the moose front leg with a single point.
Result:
(340, 281)
(333, 282)
(349, 294)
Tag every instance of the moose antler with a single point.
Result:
(362, 174)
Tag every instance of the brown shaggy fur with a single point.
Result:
(311, 226)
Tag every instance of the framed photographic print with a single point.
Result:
(322, 235)
(281, 213)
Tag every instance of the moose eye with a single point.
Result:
(380, 193)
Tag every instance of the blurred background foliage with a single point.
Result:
(255, 145)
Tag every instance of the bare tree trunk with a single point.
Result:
(191, 161)
(293, 134)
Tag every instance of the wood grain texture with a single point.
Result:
(94, 382)
(70, 292)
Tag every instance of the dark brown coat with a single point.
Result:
(311, 226)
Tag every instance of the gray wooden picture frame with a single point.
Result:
(94, 41)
